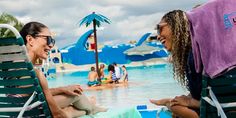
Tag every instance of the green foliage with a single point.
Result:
(6, 18)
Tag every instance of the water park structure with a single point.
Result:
(82, 53)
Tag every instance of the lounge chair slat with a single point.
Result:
(16, 73)
(213, 109)
(5, 105)
(36, 112)
(229, 115)
(19, 102)
(9, 41)
(32, 113)
(16, 65)
(11, 49)
(8, 99)
(17, 82)
(222, 81)
(28, 90)
(222, 90)
(226, 98)
(13, 57)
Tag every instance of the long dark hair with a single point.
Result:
(31, 28)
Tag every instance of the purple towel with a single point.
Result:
(213, 34)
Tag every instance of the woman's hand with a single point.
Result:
(182, 100)
(73, 90)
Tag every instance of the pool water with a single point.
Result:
(152, 82)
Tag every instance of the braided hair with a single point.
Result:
(181, 43)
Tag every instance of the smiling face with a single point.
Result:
(175, 36)
(165, 35)
(37, 45)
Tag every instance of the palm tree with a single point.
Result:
(96, 19)
(6, 18)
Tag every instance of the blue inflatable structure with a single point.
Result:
(78, 54)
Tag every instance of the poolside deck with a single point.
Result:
(65, 67)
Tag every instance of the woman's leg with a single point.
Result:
(183, 112)
(80, 102)
(92, 99)
(84, 103)
(65, 102)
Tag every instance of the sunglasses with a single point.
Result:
(50, 40)
(159, 27)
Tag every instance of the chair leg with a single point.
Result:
(204, 93)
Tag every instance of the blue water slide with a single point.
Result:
(83, 39)
(78, 54)
(143, 38)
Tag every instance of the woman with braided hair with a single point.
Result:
(174, 34)
(193, 38)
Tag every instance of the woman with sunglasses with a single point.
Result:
(170, 35)
(64, 102)
(194, 40)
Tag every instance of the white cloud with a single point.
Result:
(24, 19)
(130, 19)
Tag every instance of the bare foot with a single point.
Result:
(156, 102)
(160, 102)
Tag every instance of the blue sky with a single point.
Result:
(130, 18)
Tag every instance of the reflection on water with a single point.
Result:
(144, 83)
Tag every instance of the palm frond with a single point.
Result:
(98, 23)
(87, 24)
(105, 19)
(90, 19)
(98, 18)
(82, 21)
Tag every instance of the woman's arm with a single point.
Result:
(54, 108)
(56, 91)
(183, 112)
(68, 90)
(194, 103)
(185, 101)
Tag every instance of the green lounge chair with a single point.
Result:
(219, 92)
(15, 64)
